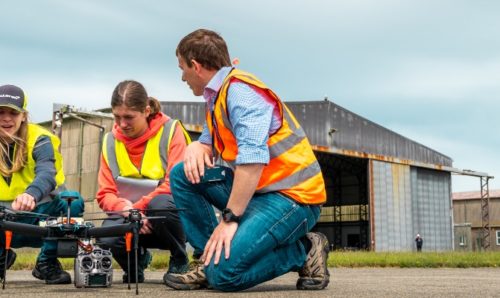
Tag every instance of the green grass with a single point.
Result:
(26, 259)
(414, 260)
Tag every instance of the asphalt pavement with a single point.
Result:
(344, 282)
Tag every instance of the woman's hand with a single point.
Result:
(146, 227)
(24, 202)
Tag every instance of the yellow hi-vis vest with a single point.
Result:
(23, 178)
(293, 169)
(154, 160)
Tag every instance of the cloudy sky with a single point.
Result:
(427, 69)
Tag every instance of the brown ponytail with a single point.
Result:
(155, 106)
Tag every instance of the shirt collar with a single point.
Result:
(215, 83)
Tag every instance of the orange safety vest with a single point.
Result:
(293, 169)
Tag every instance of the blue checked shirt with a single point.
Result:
(252, 116)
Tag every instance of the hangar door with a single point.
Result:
(409, 200)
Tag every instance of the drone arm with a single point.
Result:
(24, 229)
(111, 231)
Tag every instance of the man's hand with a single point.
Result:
(197, 155)
(24, 202)
(221, 237)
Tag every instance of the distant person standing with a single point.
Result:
(419, 241)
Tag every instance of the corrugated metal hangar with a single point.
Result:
(382, 188)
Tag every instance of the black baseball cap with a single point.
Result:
(13, 97)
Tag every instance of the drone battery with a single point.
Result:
(67, 248)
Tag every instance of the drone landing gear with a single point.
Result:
(134, 217)
(8, 239)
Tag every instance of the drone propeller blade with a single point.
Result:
(105, 212)
(154, 217)
(25, 213)
(121, 217)
(104, 218)
(163, 210)
(140, 210)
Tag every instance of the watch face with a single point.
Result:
(228, 216)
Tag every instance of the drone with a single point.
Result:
(93, 265)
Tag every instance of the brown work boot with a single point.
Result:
(314, 274)
(193, 279)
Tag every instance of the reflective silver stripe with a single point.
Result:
(289, 119)
(287, 143)
(112, 162)
(297, 136)
(294, 179)
(164, 144)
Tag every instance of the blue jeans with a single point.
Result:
(267, 243)
(56, 207)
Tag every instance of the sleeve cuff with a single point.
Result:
(35, 193)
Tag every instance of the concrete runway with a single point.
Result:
(344, 282)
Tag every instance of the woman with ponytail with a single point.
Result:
(137, 156)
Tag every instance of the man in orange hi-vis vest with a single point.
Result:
(253, 162)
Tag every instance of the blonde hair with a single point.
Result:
(20, 157)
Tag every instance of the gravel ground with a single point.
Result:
(344, 282)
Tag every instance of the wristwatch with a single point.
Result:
(228, 216)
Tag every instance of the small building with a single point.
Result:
(467, 218)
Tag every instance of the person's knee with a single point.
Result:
(162, 201)
(77, 207)
(177, 173)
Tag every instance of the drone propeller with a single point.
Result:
(121, 217)
(140, 210)
(22, 213)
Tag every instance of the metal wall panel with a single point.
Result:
(432, 208)
(407, 201)
(392, 210)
